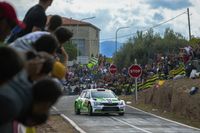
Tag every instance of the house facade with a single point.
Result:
(85, 37)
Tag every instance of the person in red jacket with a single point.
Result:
(8, 20)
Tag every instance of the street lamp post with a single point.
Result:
(116, 36)
(77, 34)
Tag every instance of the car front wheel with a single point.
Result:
(121, 114)
(77, 110)
(90, 110)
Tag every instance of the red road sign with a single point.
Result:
(135, 71)
(112, 69)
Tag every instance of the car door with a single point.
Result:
(81, 100)
(86, 101)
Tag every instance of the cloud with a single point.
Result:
(158, 17)
(169, 4)
(112, 14)
(21, 6)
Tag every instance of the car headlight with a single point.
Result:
(97, 103)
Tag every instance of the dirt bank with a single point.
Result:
(173, 96)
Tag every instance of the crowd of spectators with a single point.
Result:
(99, 76)
(33, 64)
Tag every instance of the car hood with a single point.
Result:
(106, 100)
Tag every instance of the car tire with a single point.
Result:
(77, 110)
(121, 114)
(90, 110)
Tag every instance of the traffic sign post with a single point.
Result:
(112, 69)
(135, 71)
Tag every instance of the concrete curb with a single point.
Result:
(77, 128)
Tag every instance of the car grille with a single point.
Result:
(110, 104)
(110, 109)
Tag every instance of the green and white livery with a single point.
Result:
(99, 101)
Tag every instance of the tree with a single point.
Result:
(145, 46)
(194, 42)
(71, 50)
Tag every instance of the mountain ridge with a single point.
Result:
(108, 48)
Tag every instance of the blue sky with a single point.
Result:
(112, 14)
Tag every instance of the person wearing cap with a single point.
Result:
(35, 20)
(8, 20)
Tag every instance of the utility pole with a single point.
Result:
(116, 37)
(188, 12)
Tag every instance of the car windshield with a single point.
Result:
(102, 94)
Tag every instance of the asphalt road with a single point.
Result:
(134, 121)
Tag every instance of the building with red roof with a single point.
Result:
(85, 36)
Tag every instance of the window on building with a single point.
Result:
(97, 34)
(80, 46)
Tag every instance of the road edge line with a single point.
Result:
(70, 121)
(164, 118)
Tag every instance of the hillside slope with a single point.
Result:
(173, 100)
(174, 97)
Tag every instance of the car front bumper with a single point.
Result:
(108, 109)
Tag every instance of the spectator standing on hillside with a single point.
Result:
(35, 20)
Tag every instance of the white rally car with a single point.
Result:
(99, 101)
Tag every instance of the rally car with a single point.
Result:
(98, 101)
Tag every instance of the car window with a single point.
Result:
(87, 95)
(102, 94)
(82, 94)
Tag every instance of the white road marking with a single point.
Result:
(126, 123)
(164, 118)
(70, 121)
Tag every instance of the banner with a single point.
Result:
(93, 61)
